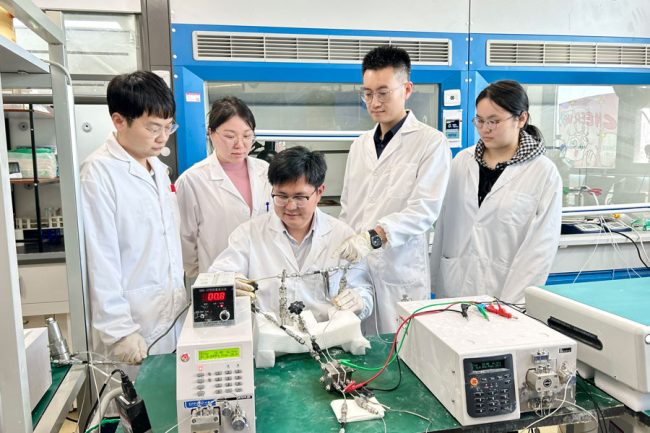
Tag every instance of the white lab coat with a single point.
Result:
(402, 191)
(133, 250)
(259, 248)
(211, 208)
(507, 244)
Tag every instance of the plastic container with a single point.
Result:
(46, 160)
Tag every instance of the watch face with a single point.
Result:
(375, 241)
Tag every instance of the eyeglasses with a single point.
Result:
(491, 124)
(231, 139)
(382, 95)
(299, 200)
(156, 130)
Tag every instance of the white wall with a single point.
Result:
(419, 15)
(622, 18)
(120, 6)
(100, 123)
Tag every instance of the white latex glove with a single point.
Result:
(350, 300)
(243, 286)
(354, 248)
(131, 349)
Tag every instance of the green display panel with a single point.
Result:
(216, 354)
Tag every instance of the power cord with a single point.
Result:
(638, 251)
(601, 419)
(99, 396)
(170, 327)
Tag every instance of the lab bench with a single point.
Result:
(49, 414)
(289, 398)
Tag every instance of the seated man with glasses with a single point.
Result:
(300, 239)
(131, 224)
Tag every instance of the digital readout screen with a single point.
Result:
(215, 354)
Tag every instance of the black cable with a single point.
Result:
(92, 409)
(399, 381)
(518, 307)
(168, 329)
(638, 252)
(399, 365)
(601, 423)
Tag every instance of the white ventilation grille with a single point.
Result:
(256, 47)
(543, 53)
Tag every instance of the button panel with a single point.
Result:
(219, 381)
(489, 391)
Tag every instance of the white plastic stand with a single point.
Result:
(635, 400)
(356, 413)
(343, 329)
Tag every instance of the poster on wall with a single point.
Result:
(588, 127)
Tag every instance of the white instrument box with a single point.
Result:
(487, 371)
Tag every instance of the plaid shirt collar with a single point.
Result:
(529, 148)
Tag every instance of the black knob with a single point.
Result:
(224, 315)
(296, 307)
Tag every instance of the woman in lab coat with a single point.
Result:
(224, 190)
(499, 227)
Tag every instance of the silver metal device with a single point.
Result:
(488, 370)
(57, 343)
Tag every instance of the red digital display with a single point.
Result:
(213, 296)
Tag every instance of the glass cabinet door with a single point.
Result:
(321, 116)
(599, 138)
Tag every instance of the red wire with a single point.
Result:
(353, 385)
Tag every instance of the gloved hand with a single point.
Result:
(354, 248)
(131, 349)
(244, 286)
(350, 300)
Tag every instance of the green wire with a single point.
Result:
(360, 367)
(481, 308)
(104, 422)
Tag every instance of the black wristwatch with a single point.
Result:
(375, 239)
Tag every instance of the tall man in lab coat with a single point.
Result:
(297, 237)
(395, 180)
(131, 223)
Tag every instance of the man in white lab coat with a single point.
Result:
(298, 238)
(131, 224)
(395, 181)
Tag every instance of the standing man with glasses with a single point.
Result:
(395, 180)
(131, 224)
(299, 238)
(499, 228)
(224, 190)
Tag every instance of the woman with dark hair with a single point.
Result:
(499, 227)
(224, 190)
